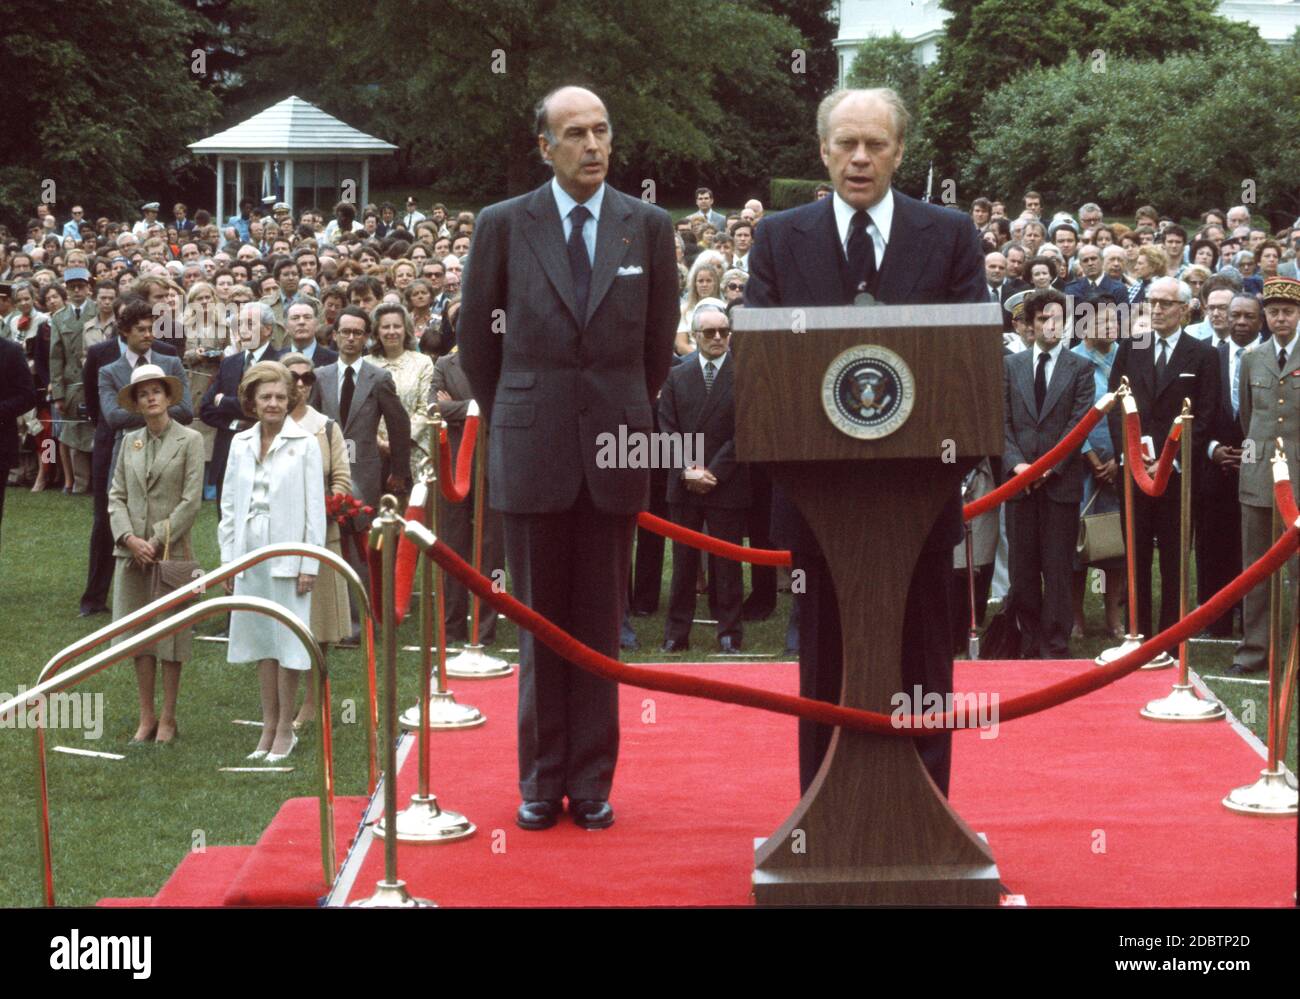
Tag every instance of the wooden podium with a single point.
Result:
(862, 415)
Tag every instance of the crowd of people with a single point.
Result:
(266, 362)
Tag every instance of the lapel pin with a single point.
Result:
(138, 445)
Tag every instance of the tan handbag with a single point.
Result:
(1100, 535)
(171, 574)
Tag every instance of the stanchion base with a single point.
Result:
(424, 822)
(444, 713)
(473, 663)
(1183, 704)
(392, 895)
(1270, 796)
(1131, 642)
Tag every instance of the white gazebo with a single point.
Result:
(295, 151)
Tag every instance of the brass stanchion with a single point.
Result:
(422, 821)
(1271, 795)
(390, 892)
(1134, 638)
(972, 633)
(1183, 703)
(438, 707)
(473, 662)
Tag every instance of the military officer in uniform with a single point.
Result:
(1269, 396)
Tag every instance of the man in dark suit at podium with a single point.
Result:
(867, 243)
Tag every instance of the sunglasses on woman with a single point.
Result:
(307, 378)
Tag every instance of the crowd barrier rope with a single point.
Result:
(1152, 486)
(833, 714)
(456, 487)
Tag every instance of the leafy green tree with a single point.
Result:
(1076, 134)
(101, 103)
(988, 42)
(455, 84)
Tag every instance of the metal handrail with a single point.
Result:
(219, 575)
(148, 638)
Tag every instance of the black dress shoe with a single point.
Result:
(537, 815)
(643, 612)
(92, 611)
(729, 645)
(592, 814)
(1236, 669)
(672, 645)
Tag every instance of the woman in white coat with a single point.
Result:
(272, 494)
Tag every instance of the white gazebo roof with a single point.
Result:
(293, 128)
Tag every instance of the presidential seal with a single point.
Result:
(868, 392)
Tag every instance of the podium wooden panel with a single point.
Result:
(873, 827)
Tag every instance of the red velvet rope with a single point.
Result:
(456, 488)
(1138, 465)
(407, 555)
(833, 714)
(1285, 501)
(1019, 483)
(725, 549)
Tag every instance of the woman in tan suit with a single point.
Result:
(395, 351)
(331, 613)
(155, 497)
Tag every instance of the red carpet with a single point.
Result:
(1085, 805)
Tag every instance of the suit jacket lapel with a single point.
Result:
(1292, 359)
(1024, 374)
(822, 262)
(545, 234)
(721, 388)
(168, 448)
(898, 272)
(1174, 362)
(613, 237)
(365, 381)
(1055, 385)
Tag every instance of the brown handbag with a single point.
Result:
(171, 574)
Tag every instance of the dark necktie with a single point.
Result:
(710, 372)
(139, 360)
(345, 400)
(579, 262)
(861, 251)
(1040, 381)
(248, 360)
(1161, 358)
(1281, 359)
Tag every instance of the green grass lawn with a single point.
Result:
(120, 827)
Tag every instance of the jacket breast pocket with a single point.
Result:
(518, 379)
(513, 414)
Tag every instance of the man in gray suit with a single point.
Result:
(1048, 390)
(1269, 407)
(356, 395)
(704, 202)
(135, 324)
(568, 314)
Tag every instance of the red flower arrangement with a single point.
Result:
(344, 508)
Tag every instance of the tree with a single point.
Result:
(682, 80)
(99, 123)
(988, 42)
(889, 61)
(1076, 134)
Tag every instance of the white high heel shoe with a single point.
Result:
(277, 757)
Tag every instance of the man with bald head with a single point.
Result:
(867, 242)
(1171, 367)
(569, 309)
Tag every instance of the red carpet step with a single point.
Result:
(201, 878)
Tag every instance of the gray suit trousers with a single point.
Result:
(572, 568)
